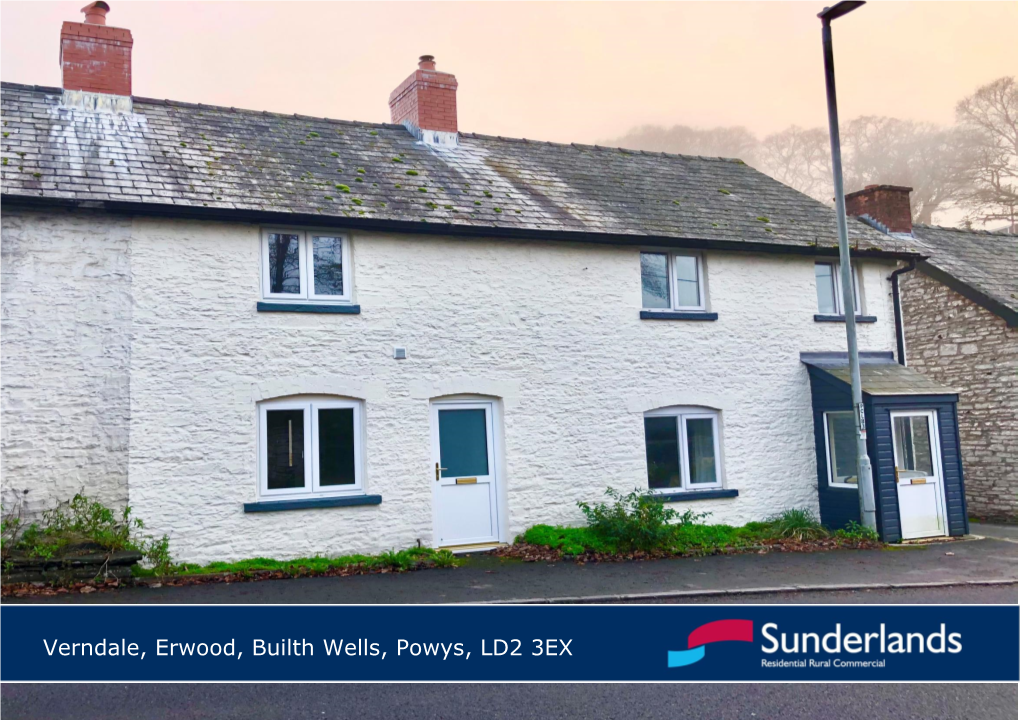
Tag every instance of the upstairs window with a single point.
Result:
(682, 449)
(309, 447)
(673, 281)
(828, 286)
(301, 266)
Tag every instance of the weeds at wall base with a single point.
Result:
(250, 571)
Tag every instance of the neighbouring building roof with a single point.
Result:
(879, 375)
(171, 156)
(979, 264)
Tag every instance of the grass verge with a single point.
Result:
(392, 561)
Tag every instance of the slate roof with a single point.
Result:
(171, 155)
(883, 378)
(984, 261)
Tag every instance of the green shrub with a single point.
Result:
(91, 520)
(796, 524)
(82, 519)
(855, 531)
(635, 521)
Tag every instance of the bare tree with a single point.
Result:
(972, 165)
(799, 158)
(989, 120)
(925, 157)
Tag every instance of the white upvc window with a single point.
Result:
(673, 281)
(841, 448)
(682, 449)
(310, 447)
(305, 265)
(829, 288)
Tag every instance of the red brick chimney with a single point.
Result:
(427, 101)
(94, 57)
(888, 204)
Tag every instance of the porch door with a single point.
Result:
(464, 478)
(918, 474)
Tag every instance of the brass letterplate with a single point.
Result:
(917, 481)
(467, 481)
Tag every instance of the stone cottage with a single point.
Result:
(959, 327)
(278, 335)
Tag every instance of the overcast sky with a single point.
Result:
(554, 71)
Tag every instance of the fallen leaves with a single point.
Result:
(526, 552)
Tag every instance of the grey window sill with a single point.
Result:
(308, 308)
(278, 505)
(673, 315)
(842, 318)
(696, 495)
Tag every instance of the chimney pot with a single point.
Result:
(95, 13)
(96, 60)
(426, 103)
(888, 204)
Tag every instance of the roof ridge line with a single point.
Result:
(26, 86)
(973, 231)
(601, 148)
(480, 136)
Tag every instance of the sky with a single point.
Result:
(566, 72)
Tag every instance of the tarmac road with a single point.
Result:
(963, 595)
(509, 702)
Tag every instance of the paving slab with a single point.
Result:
(994, 530)
(489, 579)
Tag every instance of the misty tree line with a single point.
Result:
(970, 166)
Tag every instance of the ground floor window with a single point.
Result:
(309, 447)
(682, 449)
(841, 445)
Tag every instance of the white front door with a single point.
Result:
(464, 478)
(918, 474)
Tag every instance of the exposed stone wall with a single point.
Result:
(962, 345)
(551, 329)
(66, 348)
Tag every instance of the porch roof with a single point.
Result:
(880, 374)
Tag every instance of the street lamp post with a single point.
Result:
(865, 488)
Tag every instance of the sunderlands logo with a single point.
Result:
(837, 642)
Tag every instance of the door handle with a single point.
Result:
(437, 471)
(897, 470)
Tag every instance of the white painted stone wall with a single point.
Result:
(65, 349)
(550, 328)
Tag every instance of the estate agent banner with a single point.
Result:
(544, 643)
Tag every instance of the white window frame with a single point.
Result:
(838, 287)
(683, 414)
(828, 450)
(671, 259)
(312, 489)
(306, 263)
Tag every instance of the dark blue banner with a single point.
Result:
(545, 643)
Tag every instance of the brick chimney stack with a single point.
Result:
(888, 204)
(426, 103)
(94, 57)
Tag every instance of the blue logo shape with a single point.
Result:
(679, 658)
